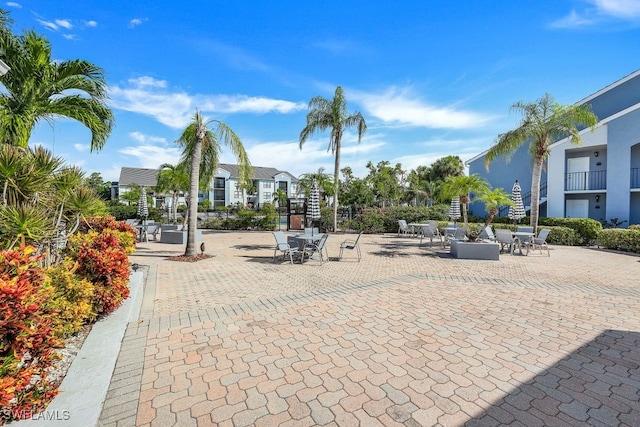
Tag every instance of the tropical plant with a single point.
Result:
(492, 200)
(173, 179)
(324, 181)
(445, 167)
(201, 150)
(462, 186)
(39, 87)
(385, 182)
(332, 114)
(543, 122)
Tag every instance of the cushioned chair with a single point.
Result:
(352, 245)
(283, 246)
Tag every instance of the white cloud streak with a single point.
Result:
(151, 97)
(399, 107)
(599, 12)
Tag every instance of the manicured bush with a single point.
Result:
(72, 299)
(620, 239)
(586, 228)
(634, 227)
(27, 338)
(563, 236)
(385, 220)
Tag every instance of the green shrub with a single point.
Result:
(620, 239)
(563, 236)
(586, 228)
(634, 227)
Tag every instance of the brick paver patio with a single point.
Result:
(406, 337)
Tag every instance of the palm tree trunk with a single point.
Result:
(535, 192)
(192, 222)
(336, 183)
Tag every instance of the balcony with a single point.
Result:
(586, 181)
(635, 177)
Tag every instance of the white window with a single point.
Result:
(237, 194)
(266, 184)
(267, 195)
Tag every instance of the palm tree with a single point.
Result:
(201, 150)
(463, 186)
(543, 122)
(40, 88)
(322, 179)
(492, 200)
(173, 179)
(332, 113)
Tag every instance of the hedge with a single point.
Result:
(620, 239)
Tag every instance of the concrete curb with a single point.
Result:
(84, 388)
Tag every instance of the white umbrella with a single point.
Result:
(143, 207)
(454, 210)
(313, 208)
(517, 211)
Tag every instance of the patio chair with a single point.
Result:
(505, 238)
(403, 227)
(487, 233)
(428, 233)
(283, 246)
(524, 229)
(310, 249)
(311, 230)
(351, 244)
(540, 241)
(152, 230)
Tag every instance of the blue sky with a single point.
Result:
(432, 78)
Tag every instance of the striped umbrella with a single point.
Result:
(313, 208)
(454, 210)
(517, 211)
(143, 207)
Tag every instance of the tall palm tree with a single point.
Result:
(201, 150)
(40, 88)
(173, 179)
(543, 122)
(323, 180)
(462, 186)
(332, 113)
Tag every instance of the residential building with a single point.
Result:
(599, 178)
(224, 189)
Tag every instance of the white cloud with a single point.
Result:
(91, 24)
(70, 36)
(14, 4)
(398, 106)
(600, 11)
(151, 156)
(148, 96)
(140, 137)
(48, 24)
(64, 23)
(137, 21)
(82, 147)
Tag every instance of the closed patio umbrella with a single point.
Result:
(143, 207)
(313, 207)
(516, 212)
(454, 210)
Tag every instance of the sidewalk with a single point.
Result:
(406, 337)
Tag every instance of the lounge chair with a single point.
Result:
(487, 234)
(283, 246)
(351, 245)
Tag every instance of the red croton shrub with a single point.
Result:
(26, 336)
(101, 250)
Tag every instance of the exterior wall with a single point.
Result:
(624, 133)
(634, 213)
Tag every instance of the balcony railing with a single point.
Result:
(635, 177)
(582, 181)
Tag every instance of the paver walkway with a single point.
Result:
(406, 337)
